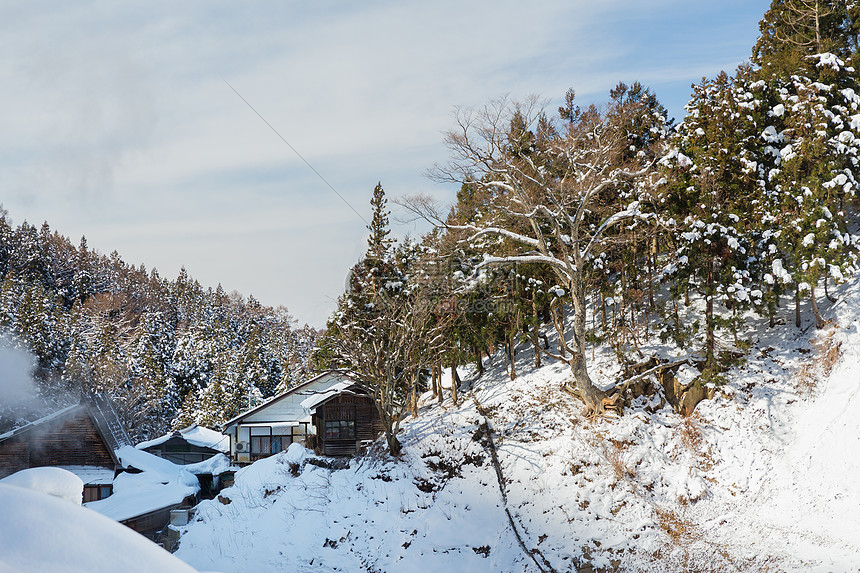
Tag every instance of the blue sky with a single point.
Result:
(117, 123)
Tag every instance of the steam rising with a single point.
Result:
(16, 382)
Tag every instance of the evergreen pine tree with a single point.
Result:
(379, 243)
(713, 192)
(794, 30)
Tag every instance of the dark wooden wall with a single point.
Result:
(361, 409)
(179, 451)
(70, 440)
(152, 523)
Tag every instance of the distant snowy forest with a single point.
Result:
(169, 352)
(611, 215)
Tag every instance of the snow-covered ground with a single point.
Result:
(761, 477)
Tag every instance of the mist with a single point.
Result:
(16, 381)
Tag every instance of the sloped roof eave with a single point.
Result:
(86, 407)
(312, 403)
(35, 423)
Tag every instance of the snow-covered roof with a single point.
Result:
(160, 484)
(301, 388)
(194, 435)
(49, 480)
(91, 475)
(41, 420)
(216, 465)
(316, 399)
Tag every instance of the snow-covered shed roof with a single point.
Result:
(315, 400)
(195, 435)
(91, 475)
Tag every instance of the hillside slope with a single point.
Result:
(758, 478)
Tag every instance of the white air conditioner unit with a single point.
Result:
(242, 446)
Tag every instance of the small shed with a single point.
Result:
(150, 488)
(344, 418)
(82, 439)
(188, 446)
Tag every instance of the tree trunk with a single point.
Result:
(394, 446)
(819, 322)
(438, 370)
(455, 382)
(479, 363)
(625, 300)
(710, 341)
(591, 394)
(389, 427)
(535, 333)
(557, 311)
(433, 382)
(797, 308)
(826, 277)
(652, 264)
(818, 49)
(603, 311)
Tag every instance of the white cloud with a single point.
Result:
(118, 125)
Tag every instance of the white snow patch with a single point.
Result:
(49, 480)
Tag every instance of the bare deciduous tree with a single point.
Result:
(551, 191)
(387, 347)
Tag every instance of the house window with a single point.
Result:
(265, 445)
(96, 492)
(178, 448)
(340, 430)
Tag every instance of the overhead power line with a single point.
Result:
(323, 179)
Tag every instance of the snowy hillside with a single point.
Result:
(761, 477)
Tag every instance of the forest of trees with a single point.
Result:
(615, 214)
(600, 222)
(169, 352)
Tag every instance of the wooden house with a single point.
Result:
(82, 439)
(286, 418)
